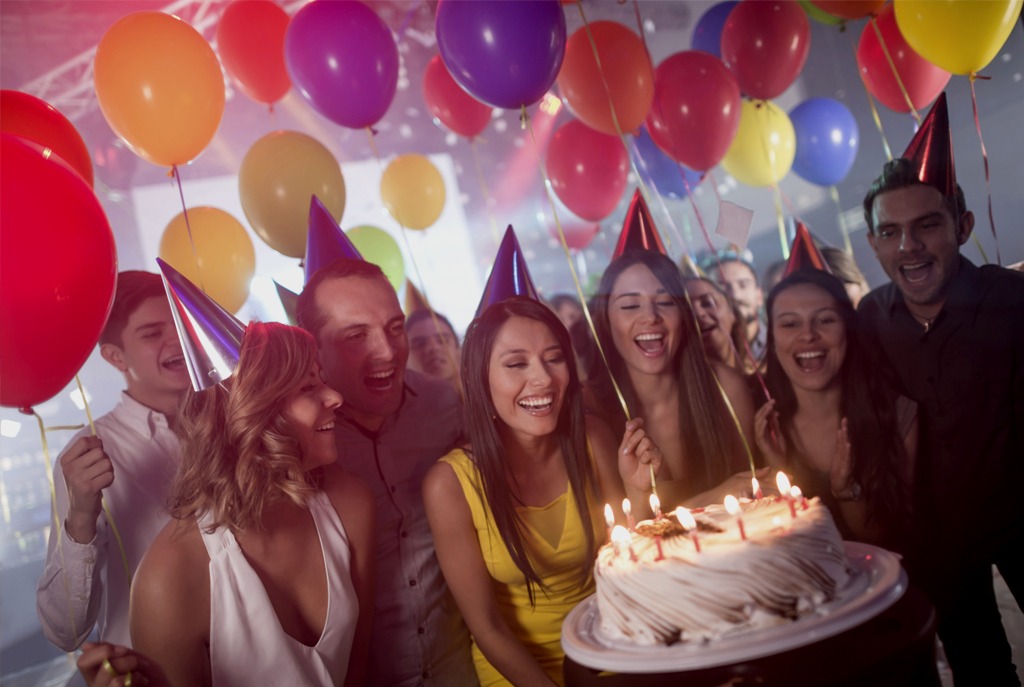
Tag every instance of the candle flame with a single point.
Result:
(685, 518)
(755, 487)
(796, 493)
(609, 517)
(620, 535)
(732, 505)
(625, 506)
(783, 483)
(655, 504)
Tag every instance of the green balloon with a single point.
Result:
(820, 15)
(377, 246)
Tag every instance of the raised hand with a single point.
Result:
(768, 435)
(638, 455)
(841, 470)
(87, 472)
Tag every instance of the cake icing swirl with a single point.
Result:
(786, 568)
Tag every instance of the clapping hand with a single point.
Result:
(768, 435)
(841, 470)
(639, 456)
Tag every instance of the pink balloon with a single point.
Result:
(765, 44)
(457, 109)
(696, 109)
(587, 170)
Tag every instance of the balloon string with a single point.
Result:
(871, 103)
(103, 499)
(546, 183)
(847, 246)
(486, 191)
(988, 181)
(57, 524)
(736, 421)
(895, 72)
(188, 227)
(777, 198)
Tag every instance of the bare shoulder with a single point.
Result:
(174, 562)
(440, 484)
(348, 493)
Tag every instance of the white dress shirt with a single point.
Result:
(85, 583)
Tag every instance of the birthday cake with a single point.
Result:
(665, 583)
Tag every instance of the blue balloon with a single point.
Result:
(826, 140)
(707, 34)
(661, 171)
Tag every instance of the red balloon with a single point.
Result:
(696, 109)
(577, 236)
(29, 117)
(58, 265)
(250, 40)
(922, 80)
(625, 78)
(457, 109)
(587, 170)
(765, 44)
(849, 9)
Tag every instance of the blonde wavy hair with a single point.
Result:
(238, 453)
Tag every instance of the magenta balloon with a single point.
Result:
(506, 54)
(343, 59)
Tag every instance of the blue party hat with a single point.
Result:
(210, 336)
(509, 275)
(325, 242)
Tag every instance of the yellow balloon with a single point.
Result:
(960, 36)
(223, 262)
(765, 145)
(159, 85)
(277, 180)
(377, 246)
(413, 191)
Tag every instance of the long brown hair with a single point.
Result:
(703, 415)
(489, 453)
(238, 451)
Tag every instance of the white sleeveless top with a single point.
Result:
(248, 646)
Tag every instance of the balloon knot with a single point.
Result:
(25, 410)
(974, 76)
(523, 118)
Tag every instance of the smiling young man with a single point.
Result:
(953, 335)
(130, 463)
(394, 424)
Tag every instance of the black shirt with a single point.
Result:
(966, 371)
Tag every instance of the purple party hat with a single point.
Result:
(210, 336)
(509, 275)
(325, 242)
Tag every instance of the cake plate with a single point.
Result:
(877, 581)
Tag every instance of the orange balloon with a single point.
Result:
(279, 175)
(159, 86)
(625, 68)
(413, 191)
(849, 9)
(223, 261)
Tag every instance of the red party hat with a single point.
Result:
(803, 254)
(509, 275)
(931, 150)
(414, 300)
(638, 231)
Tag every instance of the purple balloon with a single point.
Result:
(506, 54)
(707, 34)
(343, 59)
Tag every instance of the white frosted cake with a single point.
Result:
(787, 567)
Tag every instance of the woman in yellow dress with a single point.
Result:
(517, 517)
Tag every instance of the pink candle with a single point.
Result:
(620, 536)
(688, 522)
(733, 506)
(799, 496)
(656, 506)
(657, 542)
(627, 509)
(755, 488)
(783, 483)
(609, 518)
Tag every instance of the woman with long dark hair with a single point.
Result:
(516, 516)
(698, 412)
(833, 423)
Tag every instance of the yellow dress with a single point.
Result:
(557, 557)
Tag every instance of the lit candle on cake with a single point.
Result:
(798, 496)
(784, 491)
(688, 522)
(755, 488)
(620, 537)
(627, 509)
(609, 518)
(656, 506)
(733, 506)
